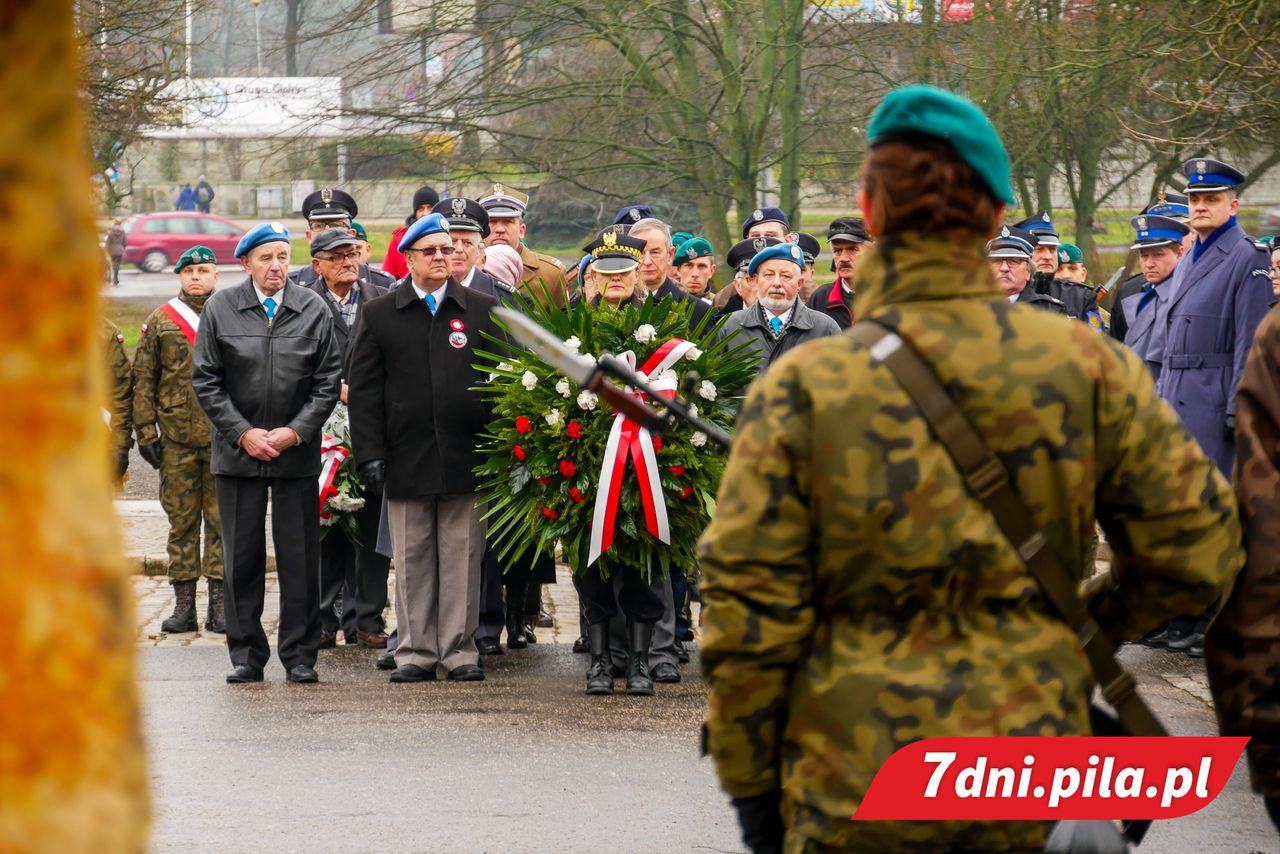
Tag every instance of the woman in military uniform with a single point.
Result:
(857, 597)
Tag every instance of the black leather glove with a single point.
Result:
(1229, 427)
(373, 475)
(150, 453)
(122, 464)
(761, 820)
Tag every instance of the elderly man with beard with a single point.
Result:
(778, 321)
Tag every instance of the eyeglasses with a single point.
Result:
(430, 251)
(339, 257)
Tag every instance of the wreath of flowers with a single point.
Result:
(340, 489)
(546, 445)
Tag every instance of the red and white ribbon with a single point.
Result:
(332, 453)
(629, 439)
(184, 316)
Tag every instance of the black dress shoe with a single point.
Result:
(665, 672)
(244, 673)
(413, 673)
(466, 673)
(387, 661)
(489, 646)
(682, 653)
(581, 647)
(544, 619)
(303, 673)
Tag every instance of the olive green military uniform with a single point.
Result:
(543, 276)
(857, 598)
(121, 387)
(165, 410)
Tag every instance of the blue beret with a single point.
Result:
(760, 215)
(786, 251)
(582, 266)
(920, 110)
(432, 223)
(263, 232)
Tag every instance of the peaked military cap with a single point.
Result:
(332, 238)
(328, 204)
(740, 254)
(1012, 243)
(694, 247)
(922, 110)
(503, 201)
(195, 255)
(432, 223)
(464, 215)
(615, 253)
(1172, 205)
(809, 245)
(1155, 230)
(760, 215)
(850, 229)
(1041, 225)
(1207, 176)
(263, 232)
(779, 251)
(631, 214)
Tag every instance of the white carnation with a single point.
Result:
(346, 503)
(332, 520)
(573, 343)
(707, 390)
(645, 333)
(529, 379)
(693, 354)
(669, 376)
(698, 439)
(562, 388)
(587, 400)
(553, 417)
(693, 410)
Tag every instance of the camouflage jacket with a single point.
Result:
(121, 425)
(857, 598)
(164, 402)
(1243, 647)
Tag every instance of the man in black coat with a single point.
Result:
(415, 428)
(849, 241)
(266, 371)
(357, 574)
(656, 263)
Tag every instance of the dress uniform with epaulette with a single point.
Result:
(544, 277)
(333, 208)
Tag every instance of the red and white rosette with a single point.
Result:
(629, 439)
(332, 453)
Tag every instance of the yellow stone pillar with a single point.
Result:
(72, 768)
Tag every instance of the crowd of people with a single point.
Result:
(851, 571)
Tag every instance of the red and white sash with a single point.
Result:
(185, 316)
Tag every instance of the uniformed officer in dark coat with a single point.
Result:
(741, 291)
(1173, 206)
(1159, 244)
(352, 578)
(849, 239)
(1009, 254)
(333, 208)
(1079, 300)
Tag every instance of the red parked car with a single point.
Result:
(157, 240)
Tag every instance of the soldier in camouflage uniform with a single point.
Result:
(174, 436)
(118, 416)
(857, 597)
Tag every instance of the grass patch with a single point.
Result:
(128, 314)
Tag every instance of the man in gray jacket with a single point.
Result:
(778, 321)
(266, 370)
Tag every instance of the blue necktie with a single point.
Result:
(430, 300)
(776, 324)
(270, 305)
(1148, 294)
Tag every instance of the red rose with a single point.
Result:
(678, 471)
(545, 481)
(685, 493)
(574, 430)
(549, 513)
(519, 452)
(567, 468)
(657, 443)
(523, 425)
(576, 495)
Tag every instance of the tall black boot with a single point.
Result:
(183, 618)
(600, 673)
(515, 618)
(638, 681)
(215, 618)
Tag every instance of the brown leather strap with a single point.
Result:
(987, 478)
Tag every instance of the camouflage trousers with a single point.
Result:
(187, 494)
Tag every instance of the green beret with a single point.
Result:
(694, 247)
(1069, 253)
(678, 237)
(195, 255)
(920, 110)
(359, 231)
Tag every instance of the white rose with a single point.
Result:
(693, 354)
(707, 390)
(645, 333)
(698, 439)
(587, 400)
(529, 379)
(573, 343)
(562, 388)
(553, 417)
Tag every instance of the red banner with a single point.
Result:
(1050, 778)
